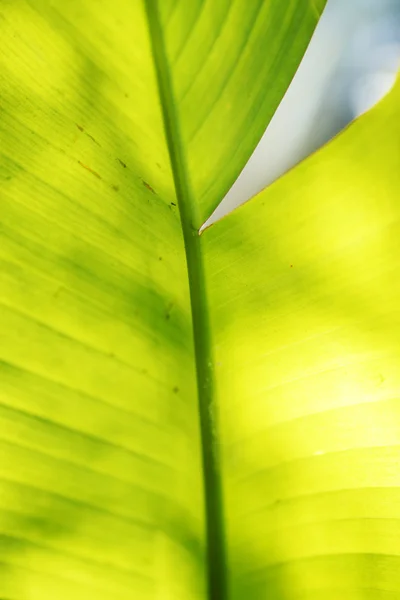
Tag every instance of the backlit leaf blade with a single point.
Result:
(100, 475)
(231, 63)
(305, 309)
(100, 471)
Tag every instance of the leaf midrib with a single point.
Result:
(215, 536)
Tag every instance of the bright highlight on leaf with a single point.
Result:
(304, 299)
(109, 301)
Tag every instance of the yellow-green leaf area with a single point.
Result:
(304, 293)
(231, 62)
(106, 108)
(100, 472)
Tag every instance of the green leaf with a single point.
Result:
(304, 296)
(101, 482)
(100, 474)
(231, 62)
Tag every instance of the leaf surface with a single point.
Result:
(100, 472)
(231, 62)
(101, 482)
(303, 285)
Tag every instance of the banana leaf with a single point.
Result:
(304, 296)
(176, 423)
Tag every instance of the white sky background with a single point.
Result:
(350, 64)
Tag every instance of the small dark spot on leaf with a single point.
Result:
(90, 170)
(115, 188)
(121, 163)
(160, 258)
(291, 266)
(175, 389)
(126, 95)
(168, 311)
(79, 127)
(173, 204)
(148, 186)
(158, 165)
(93, 140)
(58, 292)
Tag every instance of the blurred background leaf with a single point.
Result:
(303, 282)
